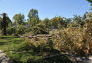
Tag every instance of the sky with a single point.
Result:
(46, 8)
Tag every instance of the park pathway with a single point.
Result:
(89, 60)
(4, 58)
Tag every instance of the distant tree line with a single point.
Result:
(19, 25)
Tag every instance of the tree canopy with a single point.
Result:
(18, 18)
(33, 17)
(4, 23)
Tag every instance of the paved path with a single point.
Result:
(4, 58)
(89, 60)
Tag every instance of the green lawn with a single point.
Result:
(9, 43)
(19, 51)
(16, 48)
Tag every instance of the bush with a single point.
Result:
(68, 39)
(39, 29)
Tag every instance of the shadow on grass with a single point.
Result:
(7, 37)
(42, 55)
(3, 43)
(51, 59)
(16, 41)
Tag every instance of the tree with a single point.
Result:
(78, 20)
(47, 23)
(88, 32)
(90, 1)
(67, 20)
(4, 23)
(39, 29)
(57, 22)
(33, 17)
(19, 19)
(84, 16)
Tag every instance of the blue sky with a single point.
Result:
(46, 8)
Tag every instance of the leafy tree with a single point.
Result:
(33, 17)
(78, 20)
(4, 23)
(39, 29)
(84, 16)
(89, 15)
(18, 19)
(11, 30)
(68, 20)
(57, 22)
(47, 23)
(88, 32)
(20, 29)
(18, 25)
(89, 1)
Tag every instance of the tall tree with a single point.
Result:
(33, 17)
(4, 23)
(18, 19)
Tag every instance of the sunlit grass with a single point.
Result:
(9, 43)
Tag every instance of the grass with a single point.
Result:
(8, 43)
(15, 48)
(20, 51)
